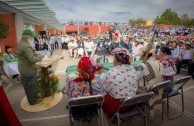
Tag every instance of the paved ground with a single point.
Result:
(58, 115)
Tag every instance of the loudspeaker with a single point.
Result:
(42, 33)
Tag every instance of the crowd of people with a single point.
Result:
(167, 51)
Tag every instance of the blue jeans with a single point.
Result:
(52, 47)
(101, 52)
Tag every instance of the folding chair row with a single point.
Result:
(91, 106)
(177, 90)
(80, 108)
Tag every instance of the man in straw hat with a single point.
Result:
(152, 71)
(72, 47)
(27, 57)
(186, 57)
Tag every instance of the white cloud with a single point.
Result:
(116, 10)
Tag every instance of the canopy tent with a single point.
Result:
(37, 9)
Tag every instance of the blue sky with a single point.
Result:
(116, 10)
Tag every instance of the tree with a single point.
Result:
(191, 22)
(185, 20)
(131, 22)
(168, 17)
(4, 28)
(140, 21)
(137, 22)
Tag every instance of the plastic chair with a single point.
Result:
(177, 91)
(84, 108)
(156, 88)
(137, 110)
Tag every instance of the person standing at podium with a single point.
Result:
(27, 58)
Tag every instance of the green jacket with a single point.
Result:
(9, 59)
(26, 58)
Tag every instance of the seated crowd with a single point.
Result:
(88, 47)
(122, 80)
(163, 63)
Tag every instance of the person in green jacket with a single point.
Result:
(27, 59)
(9, 56)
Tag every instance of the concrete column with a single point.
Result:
(99, 28)
(19, 26)
(78, 30)
(64, 29)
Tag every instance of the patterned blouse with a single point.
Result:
(169, 67)
(120, 82)
(78, 89)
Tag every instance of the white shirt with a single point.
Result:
(62, 39)
(67, 39)
(186, 54)
(52, 40)
(175, 52)
(72, 44)
(88, 46)
(136, 49)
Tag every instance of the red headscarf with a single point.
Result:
(87, 68)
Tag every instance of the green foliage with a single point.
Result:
(38, 32)
(52, 87)
(168, 17)
(186, 21)
(137, 22)
(4, 27)
(191, 22)
(171, 17)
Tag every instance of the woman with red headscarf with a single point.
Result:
(119, 83)
(85, 84)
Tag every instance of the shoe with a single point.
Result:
(39, 100)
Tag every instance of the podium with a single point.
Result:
(50, 98)
(45, 73)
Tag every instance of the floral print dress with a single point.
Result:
(79, 89)
(169, 66)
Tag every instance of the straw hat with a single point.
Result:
(187, 43)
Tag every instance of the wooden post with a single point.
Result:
(45, 81)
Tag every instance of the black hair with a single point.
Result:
(7, 47)
(166, 50)
(122, 58)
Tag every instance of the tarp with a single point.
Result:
(108, 65)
